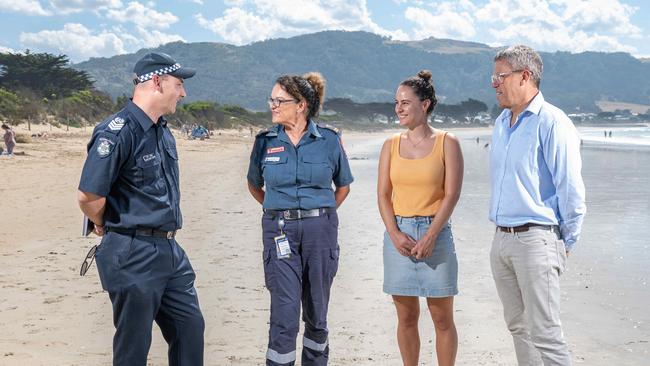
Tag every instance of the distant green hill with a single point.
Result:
(367, 68)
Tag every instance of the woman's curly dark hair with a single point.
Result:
(310, 87)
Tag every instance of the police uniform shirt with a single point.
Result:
(134, 164)
(299, 177)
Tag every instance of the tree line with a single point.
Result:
(44, 88)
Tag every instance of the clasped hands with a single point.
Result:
(407, 246)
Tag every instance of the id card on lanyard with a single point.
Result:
(282, 243)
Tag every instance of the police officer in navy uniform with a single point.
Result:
(291, 171)
(129, 190)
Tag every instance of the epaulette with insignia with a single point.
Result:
(116, 124)
(330, 127)
(267, 131)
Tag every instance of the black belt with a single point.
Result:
(144, 232)
(300, 214)
(525, 227)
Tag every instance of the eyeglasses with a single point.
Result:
(276, 102)
(88, 261)
(500, 77)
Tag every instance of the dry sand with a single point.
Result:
(51, 316)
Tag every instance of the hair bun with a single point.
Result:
(317, 82)
(425, 75)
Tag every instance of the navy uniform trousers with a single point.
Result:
(150, 278)
(306, 277)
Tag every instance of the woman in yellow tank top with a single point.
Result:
(419, 183)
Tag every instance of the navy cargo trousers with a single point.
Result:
(304, 278)
(150, 279)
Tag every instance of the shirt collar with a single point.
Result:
(312, 128)
(534, 107)
(145, 122)
(278, 130)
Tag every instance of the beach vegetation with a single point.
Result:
(9, 106)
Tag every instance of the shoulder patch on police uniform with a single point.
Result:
(105, 147)
(116, 124)
(330, 127)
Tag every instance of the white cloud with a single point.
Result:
(553, 39)
(77, 6)
(4, 49)
(447, 22)
(29, 7)
(200, 2)
(572, 25)
(601, 15)
(154, 38)
(283, 18)
(74, 40)
(142, 15)
(240, 27)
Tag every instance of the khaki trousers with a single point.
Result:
(526, 267)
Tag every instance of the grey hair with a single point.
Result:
(522, 57)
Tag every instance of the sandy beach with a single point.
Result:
(51, 316)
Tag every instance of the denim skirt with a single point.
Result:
(435, 276)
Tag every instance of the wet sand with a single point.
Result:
(51, 316)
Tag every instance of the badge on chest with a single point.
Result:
(274, 150)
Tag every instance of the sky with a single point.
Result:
(102, 28)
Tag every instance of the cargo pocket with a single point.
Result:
(268, 268)
(333, 262)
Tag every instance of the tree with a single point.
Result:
(43, 73)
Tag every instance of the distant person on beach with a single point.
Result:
(609, 134)
(419, 183)
(9, 138)
(129, 190)
(605, 133)
(292, 168)
(537, 204)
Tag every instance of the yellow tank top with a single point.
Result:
(418, 184)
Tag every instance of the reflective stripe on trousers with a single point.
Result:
(304, 278)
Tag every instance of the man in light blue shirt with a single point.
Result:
(538, 205)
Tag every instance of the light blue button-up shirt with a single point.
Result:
(535, 171)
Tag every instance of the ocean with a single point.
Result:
(620, 136)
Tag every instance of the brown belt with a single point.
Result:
(525, 227)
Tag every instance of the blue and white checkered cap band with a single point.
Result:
(164, 70)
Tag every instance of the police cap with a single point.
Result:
(158, 63)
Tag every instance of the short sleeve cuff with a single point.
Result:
(343, 182)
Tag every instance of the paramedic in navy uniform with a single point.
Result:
(291, 171)
(129, 190)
